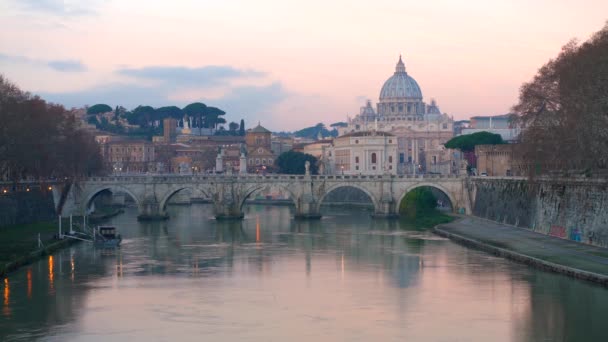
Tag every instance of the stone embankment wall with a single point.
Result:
(575, 209)
(26, 207)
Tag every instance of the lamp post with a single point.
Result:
(342, 169)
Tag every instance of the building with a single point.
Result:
(169, 130)
(420, 129)
(260, 157)
(498, 124)
(318, 148)
(280, 145)
(129, 156)
(497, 160)
(490, 122)
(363, 152)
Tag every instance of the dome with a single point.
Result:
(400, 86)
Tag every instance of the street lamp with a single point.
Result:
(342, 168)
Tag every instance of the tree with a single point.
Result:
(169, 112)
(41, 140)
(292, 163)
(418, 202)
(197, 111)
(99, 108)
(232, 127)
(143, 116)
(212, 117)
(564, 110)
(314, 131)
(467, 142)
(242, 128)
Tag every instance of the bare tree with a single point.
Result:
(564, 110)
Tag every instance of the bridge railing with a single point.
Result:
(257, 177)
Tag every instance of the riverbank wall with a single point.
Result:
(575, 208)
(24, 207)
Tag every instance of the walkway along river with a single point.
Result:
(269, 277)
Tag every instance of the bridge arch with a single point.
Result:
(253, 189)
(113, 189)
(369, 194)
(437, 186)
(167, 196)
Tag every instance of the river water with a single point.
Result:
(346, 277)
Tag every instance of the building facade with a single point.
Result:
(497, 160)
(260, 157)
(363, 152)
(129, 156)
(420, 129)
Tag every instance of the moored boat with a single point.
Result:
(107, 237)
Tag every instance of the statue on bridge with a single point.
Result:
(307, 168)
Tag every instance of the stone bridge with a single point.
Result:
(229, 192)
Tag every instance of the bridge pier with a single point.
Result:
(307, 208)
(150, 210)
(228, 211)
(386, 208)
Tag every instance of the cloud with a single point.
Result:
(14, 59)
(60, 7)
(248, 102)
(67, 66)
(207, 76)
(57, 65)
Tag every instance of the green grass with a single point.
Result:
(424, 220)
(19, 240)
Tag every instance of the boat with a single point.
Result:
(106, 237)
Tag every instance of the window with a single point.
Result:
(356, 141)
(250, 161)
(390, 141)
(434, 160)
(257, 161)
(269, 160)
(390, 159)
(374, 158)
(357, 159)
(401, 158)
(264, 161)
(445, 126)
(357, 167)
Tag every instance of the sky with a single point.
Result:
(287, 64)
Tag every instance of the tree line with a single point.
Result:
(39, 139)
(150, 119)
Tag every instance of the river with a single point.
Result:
(346, 277)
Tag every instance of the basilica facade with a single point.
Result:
(420, 129)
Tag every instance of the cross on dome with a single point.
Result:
(400, 66)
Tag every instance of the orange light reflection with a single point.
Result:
(51, 275)
(257, 229)
(7, 292)
(29, 283)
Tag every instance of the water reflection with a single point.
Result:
(269, 277)
(6, 311)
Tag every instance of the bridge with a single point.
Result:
(228, 193)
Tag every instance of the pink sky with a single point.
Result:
(287, 64)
